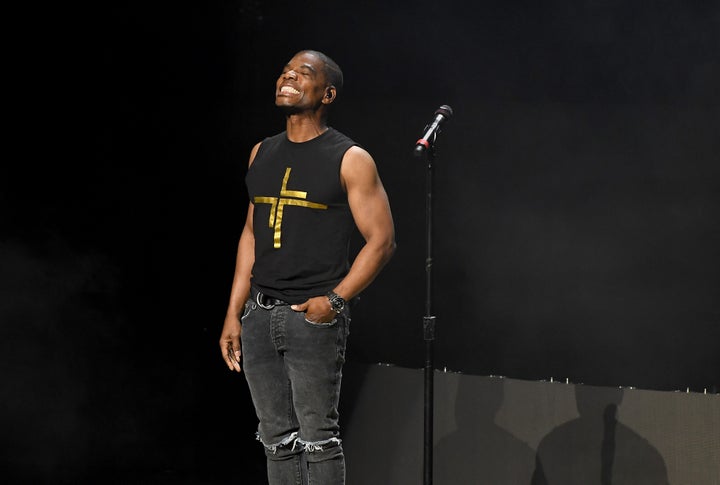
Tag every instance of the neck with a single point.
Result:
(301, 127)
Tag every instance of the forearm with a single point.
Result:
(367, 265)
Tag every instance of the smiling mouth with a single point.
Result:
(289, 90)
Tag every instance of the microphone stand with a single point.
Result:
(428, 321)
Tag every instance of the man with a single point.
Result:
(310, 187)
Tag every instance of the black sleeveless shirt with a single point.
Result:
(301, 220)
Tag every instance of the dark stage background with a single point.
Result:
(577, 202)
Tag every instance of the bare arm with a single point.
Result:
(371, 211)
(240, 291)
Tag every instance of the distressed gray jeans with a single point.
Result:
(293, 368)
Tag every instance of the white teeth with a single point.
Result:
(289, 90)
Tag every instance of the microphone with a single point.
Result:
(443, 113)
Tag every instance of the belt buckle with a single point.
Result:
(259, 297)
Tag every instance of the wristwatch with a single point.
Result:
(337, 302)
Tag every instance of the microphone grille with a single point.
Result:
(444, 110)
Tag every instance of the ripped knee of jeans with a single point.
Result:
(292, 444)
(290, 439)
(315, 446)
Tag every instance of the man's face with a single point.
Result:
(302, 84)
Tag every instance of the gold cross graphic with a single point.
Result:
(277, 204)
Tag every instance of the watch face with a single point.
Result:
(336, 302)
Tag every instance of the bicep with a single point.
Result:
(248, 228)
(251, 206)
(246, 245)
(367, 197)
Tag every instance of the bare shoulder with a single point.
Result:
(359, 171)
(358, 162)
(253, 152)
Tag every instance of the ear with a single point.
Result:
(330, 93)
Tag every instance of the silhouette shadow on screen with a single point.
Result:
(596, 448)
